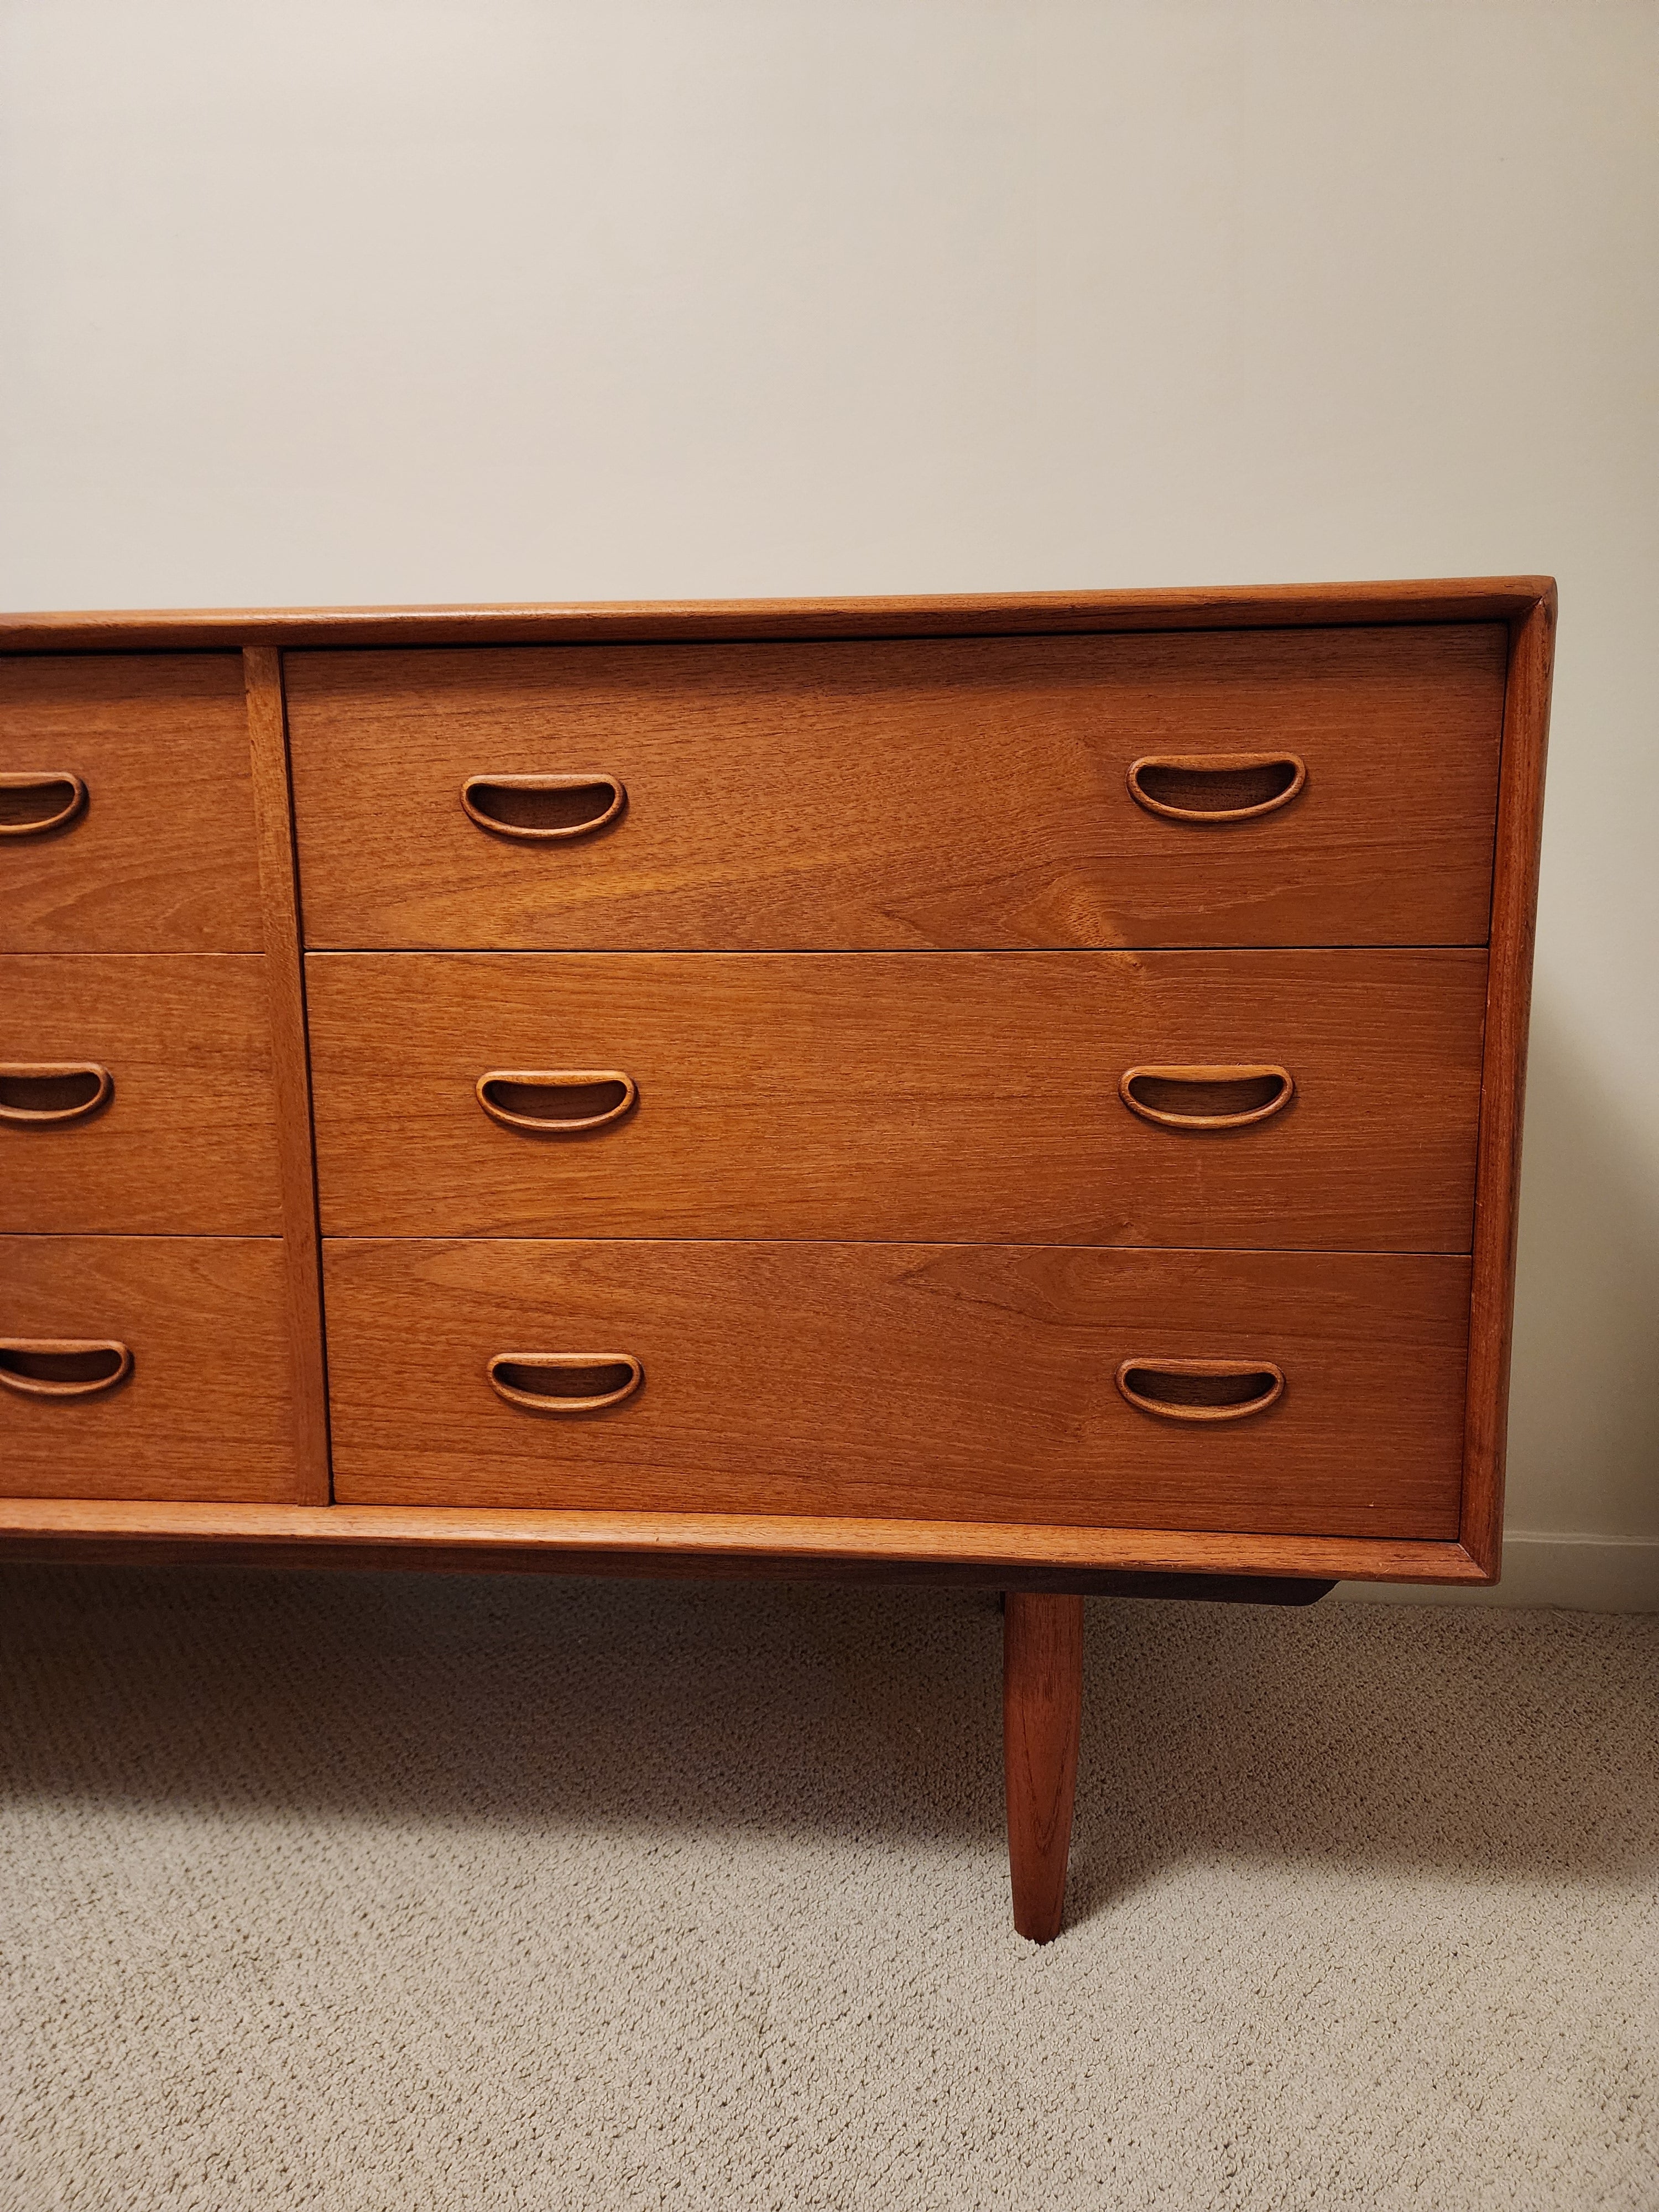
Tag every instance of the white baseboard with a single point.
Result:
(1591, 1574)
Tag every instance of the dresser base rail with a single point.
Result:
(985, 1554)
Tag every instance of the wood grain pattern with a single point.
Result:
(1041, 1723)
(1509, 1000)
(161, 857)
(467, 1540)
(908, 1094)
(955, 793)
(207, 1411)
(964, 614)
(291, 1068)
(966, 1383)
(187, 1143)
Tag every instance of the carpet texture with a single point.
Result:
(388, 1893)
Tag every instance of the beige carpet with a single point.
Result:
(395, 1892)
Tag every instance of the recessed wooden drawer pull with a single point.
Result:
(55, 1091)
(1207, 1098)
(1201, 1389)
(61, 1367)
(560, 1102)
(1216, 786)
(542, 807)
(30, 805)
(565, 1381)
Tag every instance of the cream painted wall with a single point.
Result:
(354, 303)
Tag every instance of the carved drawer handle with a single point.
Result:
(557, 1102)
(542, 807)
(31, 805)
(61, 1367)
(1202, 1389)
(564, 1382)
(1207, 1098)
(1216, 786)
(52, 1091)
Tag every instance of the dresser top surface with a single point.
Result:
(1492, 598)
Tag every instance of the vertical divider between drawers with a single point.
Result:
(290, 1064)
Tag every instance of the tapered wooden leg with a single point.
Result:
(1041, 1717)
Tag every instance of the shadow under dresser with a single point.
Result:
(1021, 1091)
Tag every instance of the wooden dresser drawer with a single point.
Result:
(911, 1094)
(975, 1382)
(205, 1410)
(909, 793)
(126, 807)
(135, 1094)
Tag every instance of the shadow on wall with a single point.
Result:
(1343, 1736)
(1585, 1392)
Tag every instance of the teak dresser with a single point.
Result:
(1019, 1091)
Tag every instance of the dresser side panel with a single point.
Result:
(1503, 1092)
